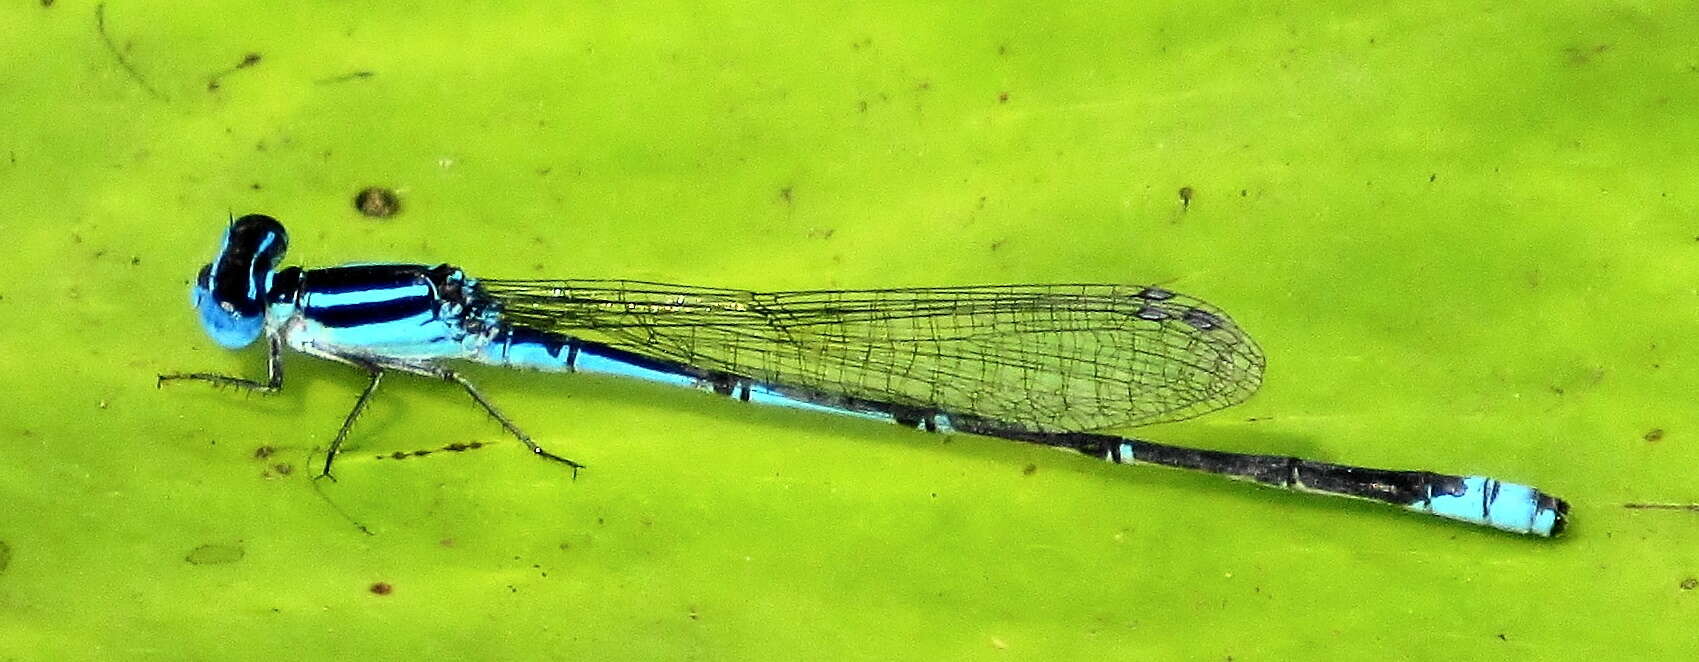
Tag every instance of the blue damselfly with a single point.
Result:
(1044, 364)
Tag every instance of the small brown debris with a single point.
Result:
(377, 202)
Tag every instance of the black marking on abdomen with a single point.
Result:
(552, 344)
(634, 359)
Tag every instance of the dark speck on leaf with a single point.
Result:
(215, 554)
(1655, 434)
(381, 588)
(357, 75)
(377, 202)
(215, 81)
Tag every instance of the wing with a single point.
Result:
(1051, 357)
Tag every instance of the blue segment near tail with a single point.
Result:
(1506, 506)
(1043, 364)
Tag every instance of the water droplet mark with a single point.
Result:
(215, 554)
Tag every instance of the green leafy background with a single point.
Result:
(1464, 233)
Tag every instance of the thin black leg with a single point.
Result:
(348, 423)
(448, 375)
(477, 397)
(272, 384)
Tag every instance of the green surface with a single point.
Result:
(1464, 235)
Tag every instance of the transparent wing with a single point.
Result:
(1052, 357)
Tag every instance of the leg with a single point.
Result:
(274, 383)
(359, 406)
(274, 373)
(448, 375)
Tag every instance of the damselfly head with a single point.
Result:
(231, 292)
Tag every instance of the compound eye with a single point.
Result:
(231, 292)
(253, 246)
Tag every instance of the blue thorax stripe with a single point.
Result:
(359, 295)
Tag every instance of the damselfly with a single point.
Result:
(1044, 364)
